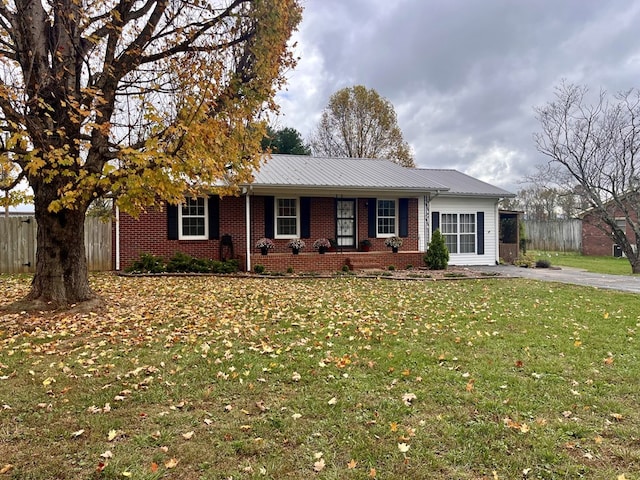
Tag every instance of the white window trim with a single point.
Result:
(395, 227)
(181, 236)
(459, 233)
(275, 218)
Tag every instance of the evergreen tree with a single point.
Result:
(437, 256)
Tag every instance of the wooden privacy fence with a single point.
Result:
(18, 244)
(554, 235)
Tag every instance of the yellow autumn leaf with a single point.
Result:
(188, 435)
(319, 465)
(6, 468)
(171, 463)
(352, 464)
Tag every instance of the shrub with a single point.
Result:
(345, 268)
(228, 266)
(259, 269)
(526, 260)
(147, 263)
(391, 268)
(184, 263)
(289, 269)
(409, 267)
(543, 263)
(437, 256)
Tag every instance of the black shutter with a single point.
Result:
(435, 221)
(172, 222)
(480, 232)
(403, 219)
(269, 217)
(214, 217)
(373, 215)
(305, 217)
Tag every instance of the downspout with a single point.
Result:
(247, 206)
(117, 238)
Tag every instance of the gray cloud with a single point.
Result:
(464, 76)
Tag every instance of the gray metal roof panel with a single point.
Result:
(307, 171)
(462, 184)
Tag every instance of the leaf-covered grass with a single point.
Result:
(346, 378)
(595, 264)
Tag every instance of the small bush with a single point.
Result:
(543, 263)
(527, 260)
(147, 263)
(345, 268)
(437, 256)
(259, 269)
(289, 269)
(409, 267)
(391, 268)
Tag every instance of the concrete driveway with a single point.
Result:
(575, 276)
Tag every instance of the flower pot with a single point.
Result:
(264, 250)
(394, 249)
(321, 250)
(296, 251)
(365, 248)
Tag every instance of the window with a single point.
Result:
(459, 231)
(621, 223)
(193, 219)
(286, 217)
(386, 218)
(467, 233)
(449, 230)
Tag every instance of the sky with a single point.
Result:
(464, 76)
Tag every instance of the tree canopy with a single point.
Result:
(358, 122)
(142, 100)
(285, 140)
(593, 146)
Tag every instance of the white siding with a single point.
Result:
(489, 206)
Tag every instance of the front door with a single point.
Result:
(346, 223)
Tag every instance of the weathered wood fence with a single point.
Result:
(18, 244)
(555, 235)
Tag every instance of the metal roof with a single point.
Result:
(461, 184)
(356, 173)
(327, 173)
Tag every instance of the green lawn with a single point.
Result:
(611, 265)
(346, 378)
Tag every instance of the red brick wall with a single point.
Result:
(333, 261)
(594, 241)
(148, 234)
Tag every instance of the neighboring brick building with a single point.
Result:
(346, 200)
(596, 242)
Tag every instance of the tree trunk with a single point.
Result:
(61, 277)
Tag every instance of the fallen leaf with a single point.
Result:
(319, 465)
(188, 435)
(403, 447)
(77, 433)
(112, 435)
(154, 467)
(107, 454)
(6, 468)
(352, 464)
(407, 398)
(171, 463)
(372, 473)
(333, 401)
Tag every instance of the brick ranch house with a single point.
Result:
(344, 199)
(596, 239)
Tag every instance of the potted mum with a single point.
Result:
(265, 244)
(365, 245)
(296, 245)
(394, 243)
(322, 245)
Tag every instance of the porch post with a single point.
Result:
(247, 205)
